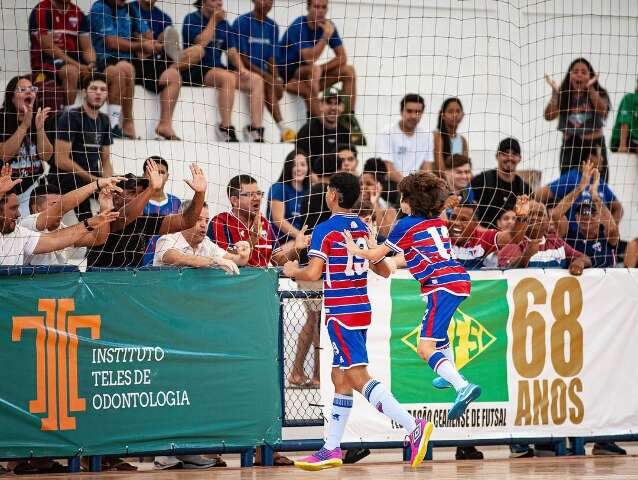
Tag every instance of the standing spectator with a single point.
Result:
(208, 28)
(286, 197)
(349, 161)
(496, 190)
(83, 143)
(258, 45)
(61, 45)
(447, 141)
(624, 137)
(458, 174)
(406, 146)
(122, 38)
(581, 105)
(23, 141)
(301, 47)
(321, 135)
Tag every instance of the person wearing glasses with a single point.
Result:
(23, 141)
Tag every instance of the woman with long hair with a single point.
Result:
(447, 140)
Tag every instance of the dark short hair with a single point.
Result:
(425, 193)
(412, 97)
(93, 77)
(456, 160)
(344, 146)
(38, 194)
(376, 167)
(326, 164)
(235, 183)
(157, 159)
(348, 188)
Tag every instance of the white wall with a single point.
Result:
(493, 55)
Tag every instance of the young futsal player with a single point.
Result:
(348, 316)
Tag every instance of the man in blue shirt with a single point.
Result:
(122, 38)
(258, 44)
(208, 28)
(301, 46)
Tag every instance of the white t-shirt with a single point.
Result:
(17, 245)
(59, 257)
(407, 153)
(176, 241)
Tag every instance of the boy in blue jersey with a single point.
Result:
(423, 238)
(258, 44)
(348, 316)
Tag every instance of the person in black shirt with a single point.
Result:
(82, 145)
(496, 190)
(130, 234)
(322, 135)
(23, 141)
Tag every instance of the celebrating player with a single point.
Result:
(348, 315)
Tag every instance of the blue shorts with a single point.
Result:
(437, 317)
(349, 346)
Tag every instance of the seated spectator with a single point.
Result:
(245, 222)
(543, 248)
(258, 45)
(61, 46)
(457, 172)
(446, 139)
(192, 248)
(624, 137)
(349, 160)
(286, 197)
(372, 194)
(376, 167)
(122, 38)
(127, 242)
(593, 230)
(322, 135)
(208, 28)
(504, 223)
(160, 203)
(23, 141)
(406, 146)
(83, 143)
(48, 207)
(567, 182)
(301, 47)
(581, 105)
(495, 190)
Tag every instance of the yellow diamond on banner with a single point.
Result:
(467, 335)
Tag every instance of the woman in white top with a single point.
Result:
(447, 140)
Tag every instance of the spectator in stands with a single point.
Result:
(208, 28)
(83, 143)
(624, 137)
(122, 38)
(447, 141)
(581, 105)
(378, 168)
(301, 47)
(244, 222)
(406, 146)
(495, 190)
(160, 203)
(23, 141)
(349, 160)
(372, 194)
(504, 223)
(258, 45)
(321, 135)
(457, 171)
(286, 197)
(567, 182)
(61, 46)
(130, 234)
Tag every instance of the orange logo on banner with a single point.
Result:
(56, 340)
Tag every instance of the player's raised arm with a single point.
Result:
(373, 254)
(310, 272)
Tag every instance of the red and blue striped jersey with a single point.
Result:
(345, 277)
(425, 242)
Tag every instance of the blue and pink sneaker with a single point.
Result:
(321, 459)
(419, 439)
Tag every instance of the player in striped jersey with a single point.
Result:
(348, 315)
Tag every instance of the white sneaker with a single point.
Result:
(167, 463)
(172, 46)
(197, 461)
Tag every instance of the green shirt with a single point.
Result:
(627, 115)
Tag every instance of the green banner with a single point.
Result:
(478, 330)
(110, 362)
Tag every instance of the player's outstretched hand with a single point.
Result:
(290, 268)
(302, 240)
(349, 243)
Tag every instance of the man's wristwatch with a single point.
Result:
(85, 222)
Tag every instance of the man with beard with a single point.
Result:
(495, 190)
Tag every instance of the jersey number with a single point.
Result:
(438, 242)
(357, 268)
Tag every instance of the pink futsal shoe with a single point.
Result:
(419, 439)
(321, 459)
